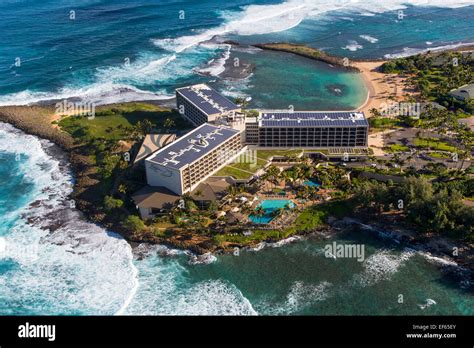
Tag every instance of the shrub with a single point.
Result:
(133, 223)
(111, 203)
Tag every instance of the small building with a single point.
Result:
(463, 93)
(212, 190)
(152, 201)
(151, 144)
(201, 104)
(182, 165)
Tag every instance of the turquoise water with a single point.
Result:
(270, 206)
(282, 81)
(51, 260)
(56, 263)
(77, 268)
(297, 279)
(311, 183)
(119, 51)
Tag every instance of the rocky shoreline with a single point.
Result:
(459, 257)
(310, 53)
(438, 250)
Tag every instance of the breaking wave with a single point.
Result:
(58, 263)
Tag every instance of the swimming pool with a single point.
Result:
(270, 205)
(312, 183)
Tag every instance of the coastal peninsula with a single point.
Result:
(97, 147)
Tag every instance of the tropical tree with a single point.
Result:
(259, 211)
(169, 124)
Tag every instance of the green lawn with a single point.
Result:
(323, 151)
(114, 122)
(384, 122)
(397, 148)
(439, 155)
(250, 167)
(231, 171)
(241, 170)
(267, 154)
(317, 215)
(435, 144)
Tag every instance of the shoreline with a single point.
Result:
(382, 89)
(389, 229)
(36, 120)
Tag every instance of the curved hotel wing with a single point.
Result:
(182, 165)
(308, 129)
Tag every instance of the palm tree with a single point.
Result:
(278, 212)
(259, 211)
(169, 124)
(272, 174)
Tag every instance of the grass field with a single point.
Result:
(443, 155)
(114, 122)
(241, 170)
(256, 236)
(234, 172)
(317, 215)
(397, 148)
(381, 123)
(267, 154)
(434, 144)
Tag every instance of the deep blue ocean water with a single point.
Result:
(108, 50)
(53, 262)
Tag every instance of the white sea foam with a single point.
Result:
(381, 266)
(438, 260)
(215, 67)
(264, 19)
(204, 259)
(301, 295)
(99, 93)
(353, 46)
(116, 83)
(429, 302)
(278, 244)
(78, 268)
(409, 51)
(165, 289)
(369, 38)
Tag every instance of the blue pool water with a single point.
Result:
(270, 205)
(311, 183)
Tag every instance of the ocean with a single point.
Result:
(54, 262)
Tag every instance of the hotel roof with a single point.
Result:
(312, 119)
(207, 99)
(192, 146)
(152, 143)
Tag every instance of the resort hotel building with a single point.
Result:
(175, 166)
(201, 104)
(308, 129)
(182, 165)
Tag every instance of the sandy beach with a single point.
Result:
(380, 86)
